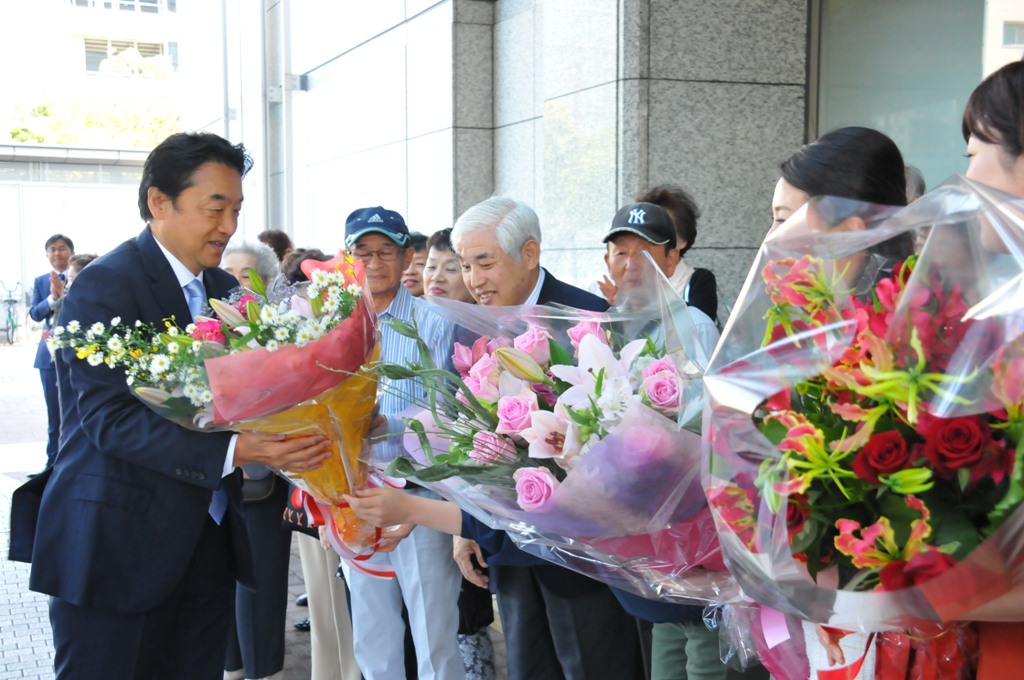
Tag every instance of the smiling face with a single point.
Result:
(492, 276)
(197, 226)
(442, 276)
(58, 253)
(412, 277)
(238, 265)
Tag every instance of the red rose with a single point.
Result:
(883, 454)
(797, 512)
(924, 566)
(954, 443)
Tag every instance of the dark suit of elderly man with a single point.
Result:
(139, 535)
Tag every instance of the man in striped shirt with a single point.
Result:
(428, 579)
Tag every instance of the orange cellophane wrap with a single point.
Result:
(258, 382)
(343, 414)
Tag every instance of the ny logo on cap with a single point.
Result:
(636, 216)
(376, 219)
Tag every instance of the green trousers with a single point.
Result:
(689, 651)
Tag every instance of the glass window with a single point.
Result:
(1013, 34)
(907, 69)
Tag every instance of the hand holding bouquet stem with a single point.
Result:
(385, 507)
(298, 454)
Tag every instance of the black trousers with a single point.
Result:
(184, 637)
(256, 643)
(560, 625)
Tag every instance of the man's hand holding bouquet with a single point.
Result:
(286, 360)
(865, 424)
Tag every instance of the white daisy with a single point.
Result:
(96, 328)
(95, 359)
(159, 364)
(74, 326)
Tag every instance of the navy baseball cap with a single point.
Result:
(370, 220)
(646, 220)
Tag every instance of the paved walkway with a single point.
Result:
(26, 647)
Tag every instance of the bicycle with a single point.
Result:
(10, 315)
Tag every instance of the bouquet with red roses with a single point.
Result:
(865, 422)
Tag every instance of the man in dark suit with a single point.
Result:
(139, 535)
(46, 291)
(558, 624)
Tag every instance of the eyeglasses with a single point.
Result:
(58, 249)
(384, 254)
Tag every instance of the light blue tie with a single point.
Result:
(195, 294)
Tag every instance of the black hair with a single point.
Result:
(417, 241)
(59, 237)
(172, 164)
(277, 240)
(852, 162)
(442, 240)
(995, 110)
(681, 209)
(856, 163)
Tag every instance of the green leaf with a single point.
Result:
(256, 284)
(559, 355)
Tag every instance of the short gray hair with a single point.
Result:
(514, 223)
(267, 265)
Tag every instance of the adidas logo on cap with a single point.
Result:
(376, 219)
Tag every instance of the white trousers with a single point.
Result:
(428, 583)
(330, 628)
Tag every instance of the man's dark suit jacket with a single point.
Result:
(123, 510)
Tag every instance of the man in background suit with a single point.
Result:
(46, 291)
(139, 535)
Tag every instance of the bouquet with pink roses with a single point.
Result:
(865, 423)
(574, 432)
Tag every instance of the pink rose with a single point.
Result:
(534, 486)
(462, 359)
(243, 302)
(583, 329)
(535, 343)
(495, 343)
(491, 448)
(514, 412)
(486, 369)
(663, 390)
(209, 330)
(659, 365)
(484, 391)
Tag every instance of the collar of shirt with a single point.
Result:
(401, 305)
(535, 295)
(181, 272)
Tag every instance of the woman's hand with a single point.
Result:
(382, 506)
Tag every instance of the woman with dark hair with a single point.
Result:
(857, 163)
(993, 127)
